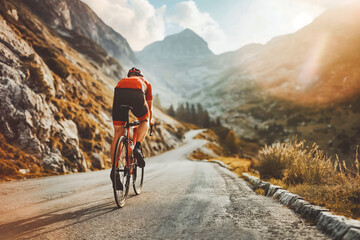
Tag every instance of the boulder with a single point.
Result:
(97, 161)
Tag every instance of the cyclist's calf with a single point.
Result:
(142, 130)
(118, 131)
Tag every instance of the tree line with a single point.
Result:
(196, 114)
(192, 113)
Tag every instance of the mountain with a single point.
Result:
(180, 47)
(305, 84)
(74, 16)
(56, 93)
(185, 64)
(172, 58)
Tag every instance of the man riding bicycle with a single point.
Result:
(135, 92)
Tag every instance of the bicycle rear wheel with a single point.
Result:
(138, 179)
(120, 169)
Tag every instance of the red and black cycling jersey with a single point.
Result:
(134, 92)
(137, 83)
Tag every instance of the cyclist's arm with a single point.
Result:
(149, 101)
(150, 105)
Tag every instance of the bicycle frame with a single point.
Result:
(127, 168)
(131, 145)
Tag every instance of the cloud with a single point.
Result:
(326, 3)
(187, 15)
(263, 19)
(137, 20)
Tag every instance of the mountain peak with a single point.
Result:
(180, 46)
(189, 32)
(189, 36)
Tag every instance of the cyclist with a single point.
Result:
(136, 92)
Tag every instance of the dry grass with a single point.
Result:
(342, 198)
(189, 125)
(237, 165)
(306, 171)
(260, 191)
(199, 155)
(13, 159)
(208, 135)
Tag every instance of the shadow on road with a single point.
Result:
(37, 226)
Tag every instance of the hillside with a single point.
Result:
(56, 99)
(305, 84)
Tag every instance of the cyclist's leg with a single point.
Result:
(118, 132)
(141, 111)
(143, 129)
(119, 116)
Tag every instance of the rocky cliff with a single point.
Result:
(76, 16)
(56, 97)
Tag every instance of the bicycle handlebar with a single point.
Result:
(151, 130)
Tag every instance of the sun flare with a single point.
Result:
(301, 20)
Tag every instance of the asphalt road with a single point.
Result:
(181, 199)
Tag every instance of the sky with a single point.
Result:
(226, 25)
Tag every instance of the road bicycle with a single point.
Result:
(125, 164)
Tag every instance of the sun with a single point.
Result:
(301, 20)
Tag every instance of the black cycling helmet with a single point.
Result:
(134, 72)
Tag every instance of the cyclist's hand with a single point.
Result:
(152, 122)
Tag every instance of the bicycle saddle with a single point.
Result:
(134, 123)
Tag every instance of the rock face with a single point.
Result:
(27, 118)
(56, 97)
(77, 16)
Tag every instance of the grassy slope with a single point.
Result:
(307, 172)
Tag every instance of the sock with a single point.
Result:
(138, 145)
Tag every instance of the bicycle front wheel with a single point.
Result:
(138, 179)
(121, 171)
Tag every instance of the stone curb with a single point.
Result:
(221, 164)
(337, 227)
(214, 161)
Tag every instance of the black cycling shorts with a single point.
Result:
(134, 98)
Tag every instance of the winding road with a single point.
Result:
(181, 199)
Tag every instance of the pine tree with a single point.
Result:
(232, 141)
(193, 114)
(171, 111)
(187, 112)
(206, 120)
(200, 115)
(218, 122)
(180, 112)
